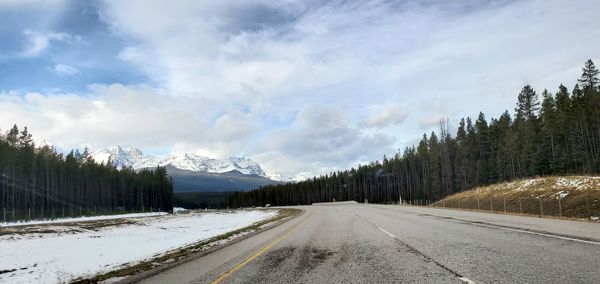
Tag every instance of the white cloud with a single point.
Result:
(131, 54)
(65, 70)
(38, 42)
(321, 139)
(136, 116)
(385, 115)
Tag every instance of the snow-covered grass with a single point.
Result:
(81, 219)
(566, 196)
(63, 256)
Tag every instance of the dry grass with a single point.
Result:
(65, 228)
(566, 196)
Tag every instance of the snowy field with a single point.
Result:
(56, 255)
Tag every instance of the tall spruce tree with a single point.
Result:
(589, 78)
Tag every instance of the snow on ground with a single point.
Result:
(563, 184)
(179, 209)
(61, 257)
(580, 183)
(561, 194)
(81, 219)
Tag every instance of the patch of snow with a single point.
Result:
(576, 183)
(179, 209)
(561, 194)
(522, 185)
(81, 219)
(59, 258)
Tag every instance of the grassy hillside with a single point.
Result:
(568, 196)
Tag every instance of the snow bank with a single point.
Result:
(179, 209)
(81, 219)
(61, 257)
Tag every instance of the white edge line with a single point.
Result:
(467, 280)
(386, 232)
(539, 234)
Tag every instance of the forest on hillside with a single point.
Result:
(39, 182)
(552, 134)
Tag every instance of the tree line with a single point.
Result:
(39, 182)
(551, 134)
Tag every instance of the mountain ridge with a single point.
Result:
(135, 158)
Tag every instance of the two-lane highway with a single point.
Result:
(355, 243)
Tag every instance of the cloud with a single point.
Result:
(65, 70)
(131, 54)
(38, 42)
(306, 86)
(382, 116)
(321, 139)
(122, 115)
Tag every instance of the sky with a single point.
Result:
(302, 87)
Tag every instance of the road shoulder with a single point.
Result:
(585, 231)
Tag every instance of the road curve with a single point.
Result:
(356, 243)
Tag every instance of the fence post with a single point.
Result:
(491, 205)
(559, 207)
(29, 214)
(587, 200)
(505, 204)
(443, 204)
(459, 205)
(477, 203)
(541, 208)
(14, 213)
(520, 205)
(4, 214)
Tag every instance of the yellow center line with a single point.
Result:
(257, 254)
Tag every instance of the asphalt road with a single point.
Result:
(399, 244)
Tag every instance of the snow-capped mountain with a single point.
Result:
(278, 176)
(125, 157)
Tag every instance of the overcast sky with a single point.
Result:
(302, 87)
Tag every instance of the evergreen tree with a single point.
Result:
(12, 137)
(483, 149)
(528, 104)
(589, 78)
(545, 161)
